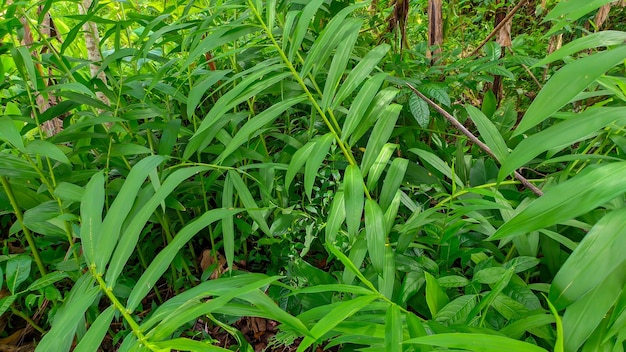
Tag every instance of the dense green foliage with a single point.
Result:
(249, 158)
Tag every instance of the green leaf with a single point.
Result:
(457, 310)
(186, 344)
(380, 164)
(392, 182)
(17, 271)
(585, 192)
(47, 280)
(360, 104)
(359, 73)
(337, 315)
(593, 40)
(301, 27)
(340, 61)
(452, 281)
(567, 12)
(248, 201)
(558, 344)
(314, 161)
(380, 135)
(436, 297)
(416, 329)
(130, 235)
(69, 315)
(98, 329)
(45, 148)
(582, 317)
(376, 235)
(489, 275)
(566, 83)
(298, 160)
(560, 135)
(486, 301)
(492, 137)
(349, 265)
(516, 329)
(437, 163)
(163, 260)
(9, 133)
(354, 198)
(255, 124)
(107, 238)
(336, 217)
(476, 342)
(197, 92)
(91, 208)
(393, 329)
(598, 255)
(419, 110)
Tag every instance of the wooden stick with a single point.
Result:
(499, 26)
(473, 138)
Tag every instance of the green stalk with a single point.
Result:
(20, 218)
(306, 90)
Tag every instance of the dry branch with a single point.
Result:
(473, 138)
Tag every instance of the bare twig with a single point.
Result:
(499, 26)
(473, 138)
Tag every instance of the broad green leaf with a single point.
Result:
(12, 166)
(298, 160)
(61, 335)
(436, 297)
(333, 288)
(248, 201)
(375, 234)
(492, 137)
(349, 266)
(416, 329)
(163, 260)
(376, 108)
(585, 192)
(197, 92)
(301, 27)
(270, 309)
(516, 329)
(452, 281)
(228, 223)
(337, 315)
(598, 255)
(380, 164)
(392, 182)
(566, 83)
(593, 40)
(17, 271)
(46, 280)
(558, 344)
(583, 316)
(254, 125)
(380, 135)
(521, 263)
(69, 192)
(457, 310)
(314, 161)
(437, 163)
(509, 308)
(91, 208)
(560, 135)
(393, 329)
(45, 148)
(6, 302)
(490, 297)
(336, 217)
(24, 62)
(477, 342)
(130, 236)
(387, 280)
(98, 329)
(354, 198)
(9, 133)
(361, 103)
(327, 40)
(489, 275)
(360, 73)
(111, 229)
(340, 61)
(419, 110)
(567, 12)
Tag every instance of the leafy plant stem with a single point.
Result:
(486, 185)
(20, 218)
(473, 138)
(26, 318)
(108, 291)
(296, 75)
